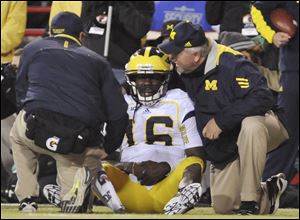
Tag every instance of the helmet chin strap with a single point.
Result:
(149, 100)
(152, 100)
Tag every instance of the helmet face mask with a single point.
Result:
(148, 89)
(148, 73)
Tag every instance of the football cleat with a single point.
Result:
(276, 185)
(28, 205)
(76, 198)
(186, 198)
(105, 191)
(52, 194)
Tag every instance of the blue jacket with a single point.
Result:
(228, 88)
(59, 74)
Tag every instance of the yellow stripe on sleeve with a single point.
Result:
(245, 87)
(261, 26)
(241, 79)
(243, 83)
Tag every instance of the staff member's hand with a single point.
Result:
(211, 130)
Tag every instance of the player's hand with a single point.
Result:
(150, 172)
(211, 130)
(280, 39)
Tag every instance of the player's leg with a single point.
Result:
(183, 185)
(135, 197)
(103, 188)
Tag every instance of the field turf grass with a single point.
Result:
(10, 211)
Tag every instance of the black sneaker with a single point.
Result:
(28, 205)
(276, 185)
(248, 208)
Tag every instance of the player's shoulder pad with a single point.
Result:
(179, 96)
(176, 95)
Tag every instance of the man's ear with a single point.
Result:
(197, 57)
(81, 36)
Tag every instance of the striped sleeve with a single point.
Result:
(261, 25)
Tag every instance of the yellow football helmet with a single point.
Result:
(148, 73)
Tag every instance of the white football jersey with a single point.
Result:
(162, 132)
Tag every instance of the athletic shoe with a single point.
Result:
(276, 185)
(52, 194)
(28, 205)
(248, 208)
(186, 198)
(74, 200)
(105, 191)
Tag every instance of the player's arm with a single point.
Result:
(259, 18)
(260, 13)
(197, 152)
(192, 140)
(194, 151)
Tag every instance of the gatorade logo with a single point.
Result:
(52, 143)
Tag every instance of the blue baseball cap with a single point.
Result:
(66, 23)
(184, 35)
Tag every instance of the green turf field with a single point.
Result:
(100, 212)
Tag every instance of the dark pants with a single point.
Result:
(283, 159)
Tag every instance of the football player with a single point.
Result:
(162, 159)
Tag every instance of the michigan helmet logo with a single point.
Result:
(172, 35)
